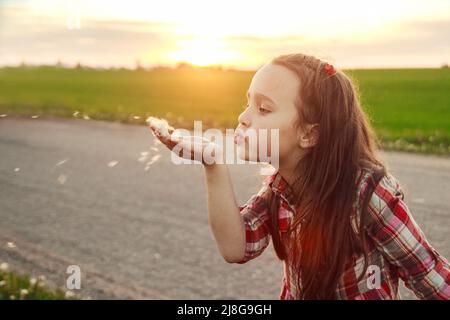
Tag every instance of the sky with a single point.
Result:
(233, 33)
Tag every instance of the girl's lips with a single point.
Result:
(238, 138)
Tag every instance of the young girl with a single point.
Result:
(336, 217)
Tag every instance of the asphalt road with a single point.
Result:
(73, 192)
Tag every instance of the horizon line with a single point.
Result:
(187, 65)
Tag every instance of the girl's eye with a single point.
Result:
(260, 109)
(264, 111)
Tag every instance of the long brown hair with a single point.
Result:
(326, 188)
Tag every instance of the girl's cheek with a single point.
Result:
(286, 143)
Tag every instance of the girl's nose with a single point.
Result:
(244, 118)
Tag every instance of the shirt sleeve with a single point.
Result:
(256, 217)
(399, 238)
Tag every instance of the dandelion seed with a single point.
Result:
(86, 117)
(35, 116)
(69, 294)
(112, 163)
(62, 179)
(136, 117)
(153, 159)
(142, 158)
(16, 169)
(76, 113)
(4, 267)
(62, 162)
(266, 170)
(2, 115)
(11, 245)
(2, 283)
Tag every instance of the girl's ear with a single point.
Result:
(308, 136)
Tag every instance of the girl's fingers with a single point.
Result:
(165, 140)
(191, 148)
(188, 147)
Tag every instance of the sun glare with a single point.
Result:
(202, 52)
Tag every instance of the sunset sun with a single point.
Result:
(202, 51)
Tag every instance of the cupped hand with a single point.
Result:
(190, 147)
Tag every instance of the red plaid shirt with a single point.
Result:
(398, 247)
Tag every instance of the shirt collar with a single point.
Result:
(280, 186)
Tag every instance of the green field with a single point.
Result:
(409, 108)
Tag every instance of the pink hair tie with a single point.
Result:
(330, 69)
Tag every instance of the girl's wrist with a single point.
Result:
(213, 167)
(215, 158)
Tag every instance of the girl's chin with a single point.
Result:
(243, 155)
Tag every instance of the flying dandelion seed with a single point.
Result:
(144, 153)
(112, 163)
(76, 113)
(62, 179)
(136, 117)
(16, 169)
(62, 162)
(153, 159)
(35, 116)
(418, 200)
(266, 170)
(86, 117)
(11, 245)
(142, 158)
(2, 115)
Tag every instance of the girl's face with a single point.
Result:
(270, 105)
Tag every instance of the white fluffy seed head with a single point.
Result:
(161, 126)
(4, 267)
(23, 293)
(33, 281)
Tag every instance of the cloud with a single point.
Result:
(25, 34)
(409, 43)
(38, 39)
